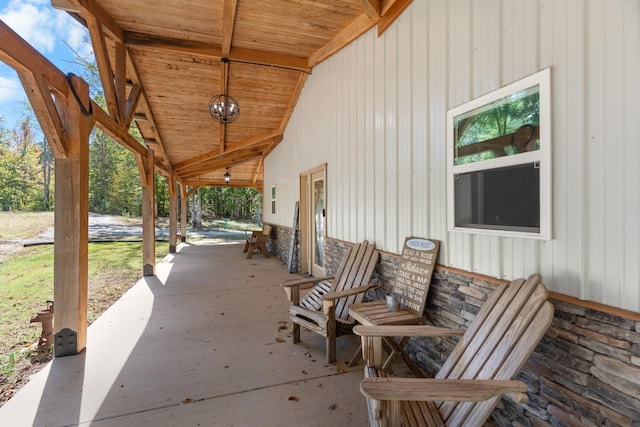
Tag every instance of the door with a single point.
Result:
(317, 222)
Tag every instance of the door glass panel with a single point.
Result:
(319, 213)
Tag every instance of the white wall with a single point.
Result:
(375, 113)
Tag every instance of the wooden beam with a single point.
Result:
(132, 103)
(372, 9)
(148, 218)
(208, 50)
(120, 72)
(117, 132)
(390, 12)
(385, 5)
(246, 143)
(183, 211)
(18, 54)
(228, 19)
(224, 81)
(104, 66)
(173, 212)
(45, 110)
(149, 116)
(293, 101)
(222, 183)
(71, 235)
(226, 161)
(358, 27)
(22, 57)
(258, 171)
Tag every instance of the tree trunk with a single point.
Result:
(197, 209)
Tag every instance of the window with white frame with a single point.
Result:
(499, 161)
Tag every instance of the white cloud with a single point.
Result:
(52, 32)
(10, 89)
(33, 22)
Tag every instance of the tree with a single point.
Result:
(20, 180)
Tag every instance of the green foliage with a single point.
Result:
(114, 183)
(20, 176)
(501, 117)
(231, 202)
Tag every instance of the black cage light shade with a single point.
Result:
(224, 109)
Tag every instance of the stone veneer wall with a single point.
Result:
(584, 372)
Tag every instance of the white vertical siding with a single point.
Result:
(375, 114)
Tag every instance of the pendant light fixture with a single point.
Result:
(224, 108)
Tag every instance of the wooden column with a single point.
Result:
(71, 235)
(148, 216)
(183, 212)
(173, 214)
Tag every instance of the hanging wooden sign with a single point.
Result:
(414, 273)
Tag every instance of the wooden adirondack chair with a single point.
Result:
(477, 373)
(325, 308)
(258, 242)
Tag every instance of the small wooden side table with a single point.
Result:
(375, 313)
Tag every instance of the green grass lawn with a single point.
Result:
(28, 283)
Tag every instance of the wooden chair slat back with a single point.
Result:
(350, 271)
(345, 265)
(497, 343)
(356, 273)
(363, 276)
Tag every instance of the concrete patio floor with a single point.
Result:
(200, 344)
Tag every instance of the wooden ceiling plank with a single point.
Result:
(104, 66)
(358, 27)
(372, 9)
(228, 19)
(45, 110)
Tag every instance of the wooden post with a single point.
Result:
(71, 235)
(183, 212)
(148, 216)
(173, 213)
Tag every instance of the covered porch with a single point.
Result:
(203, 342)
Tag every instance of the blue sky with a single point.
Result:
(51, 32)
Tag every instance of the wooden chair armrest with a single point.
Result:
(298, 282)
(332, 296)
(405, 331)
(429, 389)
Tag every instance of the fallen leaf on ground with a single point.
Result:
(186, 401)
(294, 398)
(278, 339)
(333, 407)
